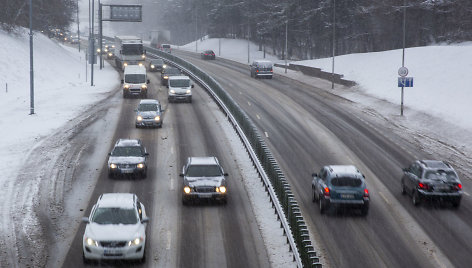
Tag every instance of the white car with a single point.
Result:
(116, 229)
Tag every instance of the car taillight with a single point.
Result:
(366, 192)
(326, 191)
(458, 187)
(423, 186)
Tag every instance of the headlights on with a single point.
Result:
(221, 189)
(164, 66)
(143, 56)
(188, 91)
(166, 77)
(125, 64)
(172, 91)
(90, 242)
(187, 189)
(152, 66)
(157, 118)
(139, 118)
(135, 242)
(144, 86)
(126, 86)
(113, 166)
(110, 54)
(140, 165)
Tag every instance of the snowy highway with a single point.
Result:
(306, 128)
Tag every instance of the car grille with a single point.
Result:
(113, 244)
(127, 166)
(205, 189)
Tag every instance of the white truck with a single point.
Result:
(129, 50)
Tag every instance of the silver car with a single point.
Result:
(204, 178)
(149, 114)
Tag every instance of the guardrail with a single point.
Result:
(317, 72)
(280, 193)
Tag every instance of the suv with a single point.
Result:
(340, 185)
(116, 229)
(204, 178)
(128, 157)
(431, 179)
(166, 48)
(167, 72)
(261, 68)
(149, 114)
(135, 81)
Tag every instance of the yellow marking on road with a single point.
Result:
(248, 103)
(258, 117)
(266, 134)
(384, 198)
(169, 239)
(466, 193)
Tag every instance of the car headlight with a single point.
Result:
(188, 91)
(90, 242)
(125, 64)
(106, 50)
(140, 64)
(113, 46)
(166, 77)
(143, 56)
(139, 118)
(172, 91)
(135, 242)
(113, 166)
(98, 50)
(157, 118)
(164, 66)
(140, 165)
(152, 66)
(143, 86)
(126, 86)
(187, 189)
(221, 189)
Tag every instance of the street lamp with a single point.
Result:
(31, 57)
(334, 42)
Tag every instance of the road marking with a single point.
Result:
(248, 103)
(172, 188)
(466, 193)
(240, 93)
(266, 134)
(169, 239)
(437, 260)
(172, 150)
(384, 198)
(258, 117)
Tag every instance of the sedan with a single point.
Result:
(208, 55)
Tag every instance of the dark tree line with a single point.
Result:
(47, 14)
(361, 25)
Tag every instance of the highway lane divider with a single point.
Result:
(279, 190)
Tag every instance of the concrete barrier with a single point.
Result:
(317, 72)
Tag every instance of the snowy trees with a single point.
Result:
(361, 25)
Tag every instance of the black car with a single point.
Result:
(340, 186)
(156, 65)
(208, 55)
(128, 157)
(431, 180)
(261, 68)
(168, 71)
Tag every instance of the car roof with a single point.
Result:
(135, 69)
(263, 61)
(209, 50)
(208, 160)
(149, 101)
(122, 200)
(157, 60)
(344, 170)
(175, 77)
(128, 142)
(435, 164)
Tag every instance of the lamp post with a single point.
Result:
(403, 54)
(31, 57)
(334, 42)
(286, 44)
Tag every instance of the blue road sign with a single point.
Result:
(405, 81)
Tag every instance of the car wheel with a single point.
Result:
(110, 175)
(190, 100)
(456, 203)
(143, 259)
(322, 206)
(364, 210)
(224, 201)
(416, 198)
(403, 188)
(144, 174)
(313, 197)
(85, 260)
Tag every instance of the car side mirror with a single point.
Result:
(181, 174)
(192, 86)
(146, 154)
(405, 169)
(122, 81)
(148, 81)
(314, 175)
(85, 220)
(145, 219)
(167, 86)
(225, 174)
(109, 154)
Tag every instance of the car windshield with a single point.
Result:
(440, 175)
(264, 64)
(147, 107)
(166, 46)
(179, 83)
(127, 151)
(209, 52)
(157, 62)
(204, 171)
(346, 181)
(115, 216)
(135, 78)
(132, 49)
(172, 71)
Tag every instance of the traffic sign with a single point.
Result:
(403, 71)
(126, 13)
(405, 81)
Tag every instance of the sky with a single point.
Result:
(62, 89)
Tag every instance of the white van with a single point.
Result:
(180, 88)
(135, 81)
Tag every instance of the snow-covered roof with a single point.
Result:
(211, 160)
(344, 169)
(125, 200)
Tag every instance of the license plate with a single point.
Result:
(205, 195)
(111, 252)
(127, 170)
(441, 188)
(347, 196)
